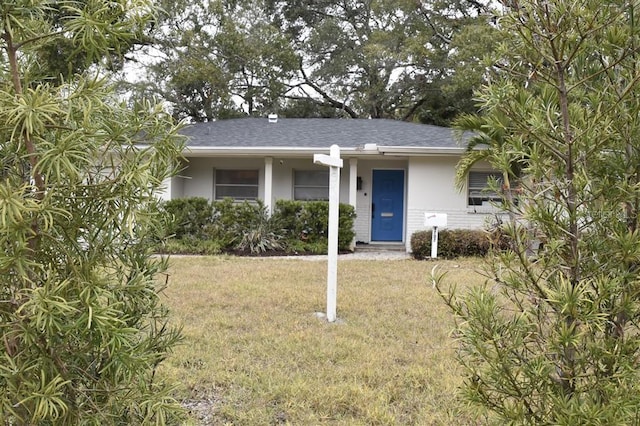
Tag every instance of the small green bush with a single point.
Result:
(188, 217)
(259, 240)
(222, 226)
(421, 244)
(245, 227)
(452, 243)
(304, 247)
(308, 221)
(346, 231)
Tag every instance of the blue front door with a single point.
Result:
(387, 205)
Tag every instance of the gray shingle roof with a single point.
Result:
(316, 132)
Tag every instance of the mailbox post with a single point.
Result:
(435, 220)
(334, 162)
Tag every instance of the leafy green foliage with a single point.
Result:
(382, 58)
(215, 53)
(260, 239)
(77, 45)
(308, 221)
(189, 246)
(243, 226)
(454, 243)
(188, 217)
(248, 226)
(409, 60)
(552, 339)
(294, 227)
(82, 323)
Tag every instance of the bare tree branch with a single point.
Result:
(328, 100)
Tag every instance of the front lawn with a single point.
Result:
(255, 352)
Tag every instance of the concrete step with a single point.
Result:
(380, 247)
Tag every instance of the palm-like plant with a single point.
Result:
(486, 138)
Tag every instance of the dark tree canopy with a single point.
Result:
(408, 60)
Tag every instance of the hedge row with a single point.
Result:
(195, 225)
(457, 243)
(198, 226)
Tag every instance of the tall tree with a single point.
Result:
(406, 59)
(381, 58)
(219, 59)
(553, 338)
(83, 329)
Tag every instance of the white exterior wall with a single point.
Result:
(197, 179)
(431, 188)
(172, 187)
(177, 186)
(166, 190)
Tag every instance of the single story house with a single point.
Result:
(394, 172)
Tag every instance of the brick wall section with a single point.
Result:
(362, 226)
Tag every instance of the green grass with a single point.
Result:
(255, 353)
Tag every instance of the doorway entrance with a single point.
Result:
(387, 205)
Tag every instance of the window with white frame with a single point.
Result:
(236, 184)
(478, 189)
(310, 185)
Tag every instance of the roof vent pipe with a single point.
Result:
(273, 118)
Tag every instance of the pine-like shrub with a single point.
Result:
(83, 326)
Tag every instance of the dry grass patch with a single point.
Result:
(255, 353)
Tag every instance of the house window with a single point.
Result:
(310, 185)
(236, 184)
(478, 191)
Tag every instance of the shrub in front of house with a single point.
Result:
(294, 247)
(305, 224)
(452, 243)
(421, 244)
(346, 223)
(187, 217)
(189, 246)
(243, 226)
(226, 226)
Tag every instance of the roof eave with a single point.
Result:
(197, 151)
(405, 151)
(209, 151)
(420, 151)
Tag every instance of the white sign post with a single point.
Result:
(334, 162)
(435, 220)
